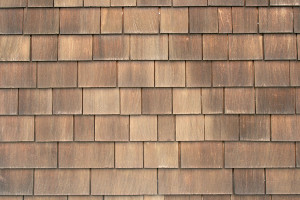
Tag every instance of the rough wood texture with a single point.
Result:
(74, 47)
(40, 3)
(84, 128)
(239, 101)
(249, 181)
(198, 74)
(129, 155)
(14, 48)
(16, 182)
(285, 127)
(255, 128)
(169, 74)
(8, 101)
(166, 128)
(38, 45)
(189, 127)
(68, 3)
(285, 181)
(123, 3)
(156, 101)
(295, 73)
(225, 20)
(11, 21)
(186, 101)
(154, 2)
(244, 20)
(143, 128)
(203, 20)
(174, 20)
(190, 3)
(111, 20)
(212, 101)
(67, 101)
(215, 47)
(130, 99)
(185, 47)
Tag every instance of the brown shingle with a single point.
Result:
(285, 127)
(79, 20)
(154, 2)
(149, 47)
(174, 20)
(40, 3)
(54, 128)
(190, 3)
(186, 100)
(280, 47)
(13, 3)
(297, 100)
(251, 197)
(231, 74)
(97, 74)
(130, 100)
(297, 154)
(112, 128)
(216, 197)
(14, 48)
(96, 3)
(185, 47)
(111, 20)
(282, 181)
(16, 182)
(57, 74)
(39, 52)
(239, 100)
(255, 127)
(226, 3)
(271, 73)
(16, 128)
(296, 20)
(160, 155)
(156, 101)
(72, 47)
(129, 155)
(225, 20)
(245, 47)
(212, 100)
(136, 74)
(215, 47)
(86, 155)
(123, 3)
(143, 128)
(8, 101)
(101, 101)
(28, 155)
(275, 20)
(124, 197)
(275, 100)
(203, 20)
(259, 155)
(111, 47)
(257, 2)
(11, 21)
(222, 127)
(284, 2)
(194, 181)
(298, 42)
(201, 154)
(17, 74)
(249, 181)
(295, 73)
(41, 21)
(189, 127)
(198, 73)
(245, 20)
(84, 128)
(166, 128)
(141, 20)
(144, 181)
(35, 101)
(50, 182)
(68, 3)
(45, 197)
(67, 101)
(169, 74)
(285, 197)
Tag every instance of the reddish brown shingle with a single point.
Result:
(203, 20)
(11, 21)
(95, 3)
(225, 20)
(255, 128)
(74, 47)
(249, 181)
(143, 128)
(285, 127)
(67, 101)
(186, 101)
(157, 101)
(169, 74)
(189, 127)
(212, 100)
(8, 101)
(123, 3)
(14, 48)
(257, 2)
(154, 2)
(68, 3)
(245, 20)
(16, 182)
(190, 3)
(295, 73)
(84, 128)
(40, 3)
(198, 74)
(174, 20)
(111, 20)
(166, 128)
(130, 100)
(13, 3)
(129, 155)
(38, 48)
(215, 47)
(239, 101)
(185, 47)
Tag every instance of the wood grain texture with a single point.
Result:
(16, 182)
(160, 155)
(28, 155)
(255, 128)
(154, 2)
(111, 20)
(284, 2)
(11, 21)
(174, 20)
(249, 181)
(136, 74)
(189, 2)
(40, 3)
(185, 47)
(130, 99)
(285, 197)
(97, 74)
(41, 21)
(84, 128)
(296, 20)
(120, 3)
(186, 101)
(45, 198)
(169, 74)
(189, 127)
(198, 73)
(209, 155)
(143, 180)
(257, 2)
(245, 20)
(74, 155)
(251, 197)
(143, 128)
(225, 20)
(295, 73)
(212, 100)
(85, 197)
(61, 182)
(215, 47)
(239, 100)
(297, 101)
(16, 128)
(53, 128)
(141, 20)
(101, 101)
(96, 3)
(166, 128)
(79, 21)
(222, 127)
(129, 155)
(111, 47)
(8, 101)
(75, 47)
(67, 101)
(203, 20)
(225, 3)
(149, 47)
(68, 3)
(14, 48)
(39, 53)
(56, 75)
(112, 128)
(275, 20)
(156, 101)
(280, 47)
(13, 3)
(194, 181)
(259, 155)
(285, 127)
(35, 101)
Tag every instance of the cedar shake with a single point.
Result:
(129, 155)
(143, 128)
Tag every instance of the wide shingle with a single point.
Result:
(11, 21)
(143, 128)
(120, 3)
(198, 73)
(189, 127)
(14, 48)
(16, 182)
(75, 47)
(215, 47)
(8, 101)
(13, 3)
(190, 3)
(285, 127)
(39, 53)
(67, 101)
(111, 20)
(239, 101)
(255, 127)
(129, 155)
(174, 20)
(249, 181)
(226, 3)
(157, 101)
(169, 74)
(186, 101)
(245, 20)
(40, 3)
(203, 20)
(68, 3)
(154, 2)
(185, 47)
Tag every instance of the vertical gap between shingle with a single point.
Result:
(154, 72)
(239, 116)
(201, 102)
(57, 149)
(129, 128)
(159, 19)
(157, 135)
(270, 127)
(223, 100)
(94, 127)
(143, 154)
(179, 154)
(223, 145)
(211, 74)
(73, 128)
(114, 154)
(18, 100)
(90, 186)
(290, 83)
(77, 65)
(33, 177)
(117, 75)
(295, 154)
(157, 181)
(263, 46)
(265, 181)
(36, 74)
(30, 50)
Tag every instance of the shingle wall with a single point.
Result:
(149, 100)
